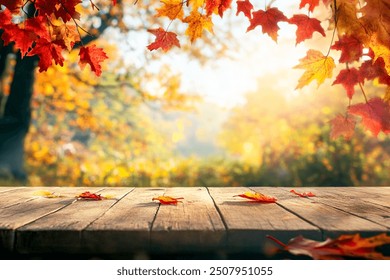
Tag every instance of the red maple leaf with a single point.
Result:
(12, 5)
(371, 70)
(345, 246)
(306, 26)
(351, 48)
(258, 197)
(164, 40)
(93, 56)
(25, 34)
(375, 115)
(225, 4)
(268, 20)
(348, 78)
(113, 2)
(67, 10)
(312, 4)
(45, 7)
(5, 19)
(89, 196)
(47, 51)
(163, 199)
(217, 5)
(245, 7)
(304, 194)
(342, 126)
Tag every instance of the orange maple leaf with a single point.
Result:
(173, 9)
(268, 20)
(163, 199)
(164, 40)
(196, 24)
(342, 126)
(93, 56)
(345, 246)
(304, 194)
(258, 197)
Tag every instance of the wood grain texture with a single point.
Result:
(16, 215)
(330, 220)
(192, 225)
(353, 203)
(60, 231)
(248, 223)
(125, 227)
(208, 220)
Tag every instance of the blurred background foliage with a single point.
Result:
(136, 126)
(111, 132)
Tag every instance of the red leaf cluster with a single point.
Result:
(345, 246)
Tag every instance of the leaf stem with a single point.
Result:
(277, 241)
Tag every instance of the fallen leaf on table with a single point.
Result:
(345, 246)
(167, 199)
(89, 196)
(47, 194)
(258, 197)
(304, 194)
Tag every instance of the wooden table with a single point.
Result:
(211, 222)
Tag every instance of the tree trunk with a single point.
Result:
(15, 122)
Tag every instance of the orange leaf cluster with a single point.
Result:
(345, 246)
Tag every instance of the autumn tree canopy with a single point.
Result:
(358, 50)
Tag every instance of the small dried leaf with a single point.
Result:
(47, 194)
(89, 196)
(258, 197)
(167, 199)
(304, 194)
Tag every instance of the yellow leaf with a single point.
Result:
(380, 50)
(196, 3)
(196, 24)
(317, 67)
(47, 194)
(173, 9)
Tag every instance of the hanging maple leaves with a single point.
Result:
(48, 32)
(359, 35)
(358, 28)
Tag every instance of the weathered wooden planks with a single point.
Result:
(208, 220)
(125, 227)
(60, 231)
(248, 223)
(330, 220)
(15, 215)
(191, 226)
